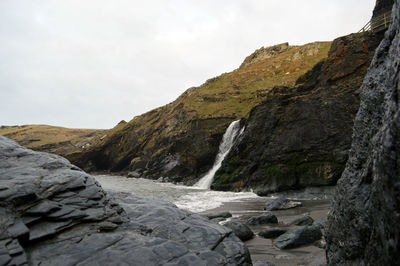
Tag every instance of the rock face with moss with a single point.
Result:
(300, 135)
(363, 226)
(179, 141)
(58, 140)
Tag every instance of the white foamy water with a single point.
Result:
(208, 199)
(226, 144)
(187, 198)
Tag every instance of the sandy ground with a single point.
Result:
(262, 249)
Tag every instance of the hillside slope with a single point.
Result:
(59, 140)
(180, 140)
(300, 135)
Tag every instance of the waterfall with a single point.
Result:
(224, 148)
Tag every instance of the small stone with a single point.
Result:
(240, 230)
(107, 226)
(267, 218)
(320, 244)
(272, 232)
(281, 204)
(134, 174)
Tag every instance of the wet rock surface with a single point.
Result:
(304, 220)
(241, 230)
(52, 213)
(281, 204)
(363, 226)
(218, 215)
(272, 232)
(297, 237)
(266, 218)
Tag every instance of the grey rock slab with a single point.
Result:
(304, 220)
(266, 218)
(281, 204)
(298, 237)
(363, 225)
(272, 232)
(64, 217)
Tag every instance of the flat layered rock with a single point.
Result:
(52, 213)
(298, 237)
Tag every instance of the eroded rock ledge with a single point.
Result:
(52, 213)
(363, 227)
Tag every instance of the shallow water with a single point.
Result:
(315, 202)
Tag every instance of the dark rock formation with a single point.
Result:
(272, 232)
(363, 226)
(300, 136)
(218, 215)
(381, 7)
(281, 204)
(241, 230)
(381, 16)
(267, 218)
(297, 237)
(52, 213)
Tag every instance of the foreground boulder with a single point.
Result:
(297, 237)
(363, 226)
(52, 213)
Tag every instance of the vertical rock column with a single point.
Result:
(363, 226)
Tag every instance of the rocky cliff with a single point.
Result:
(300, 135)
(363, 226)
(58, 140)
(179, 141)
(53, 213)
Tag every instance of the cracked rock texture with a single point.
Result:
(53, 213)
(363, 226)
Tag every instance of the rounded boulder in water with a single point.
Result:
(267, 218)
(281, 204)
(240, 230)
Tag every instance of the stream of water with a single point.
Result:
(226, 144)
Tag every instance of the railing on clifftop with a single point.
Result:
(378, 23)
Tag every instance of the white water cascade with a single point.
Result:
(224, 148)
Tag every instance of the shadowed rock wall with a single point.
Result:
(300, 136)
(363, 226)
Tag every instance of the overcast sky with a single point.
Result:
(92, 63)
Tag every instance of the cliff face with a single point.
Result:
(179, 141)
(58, 140)
(363, 226)
(300, 136)
(382, 6)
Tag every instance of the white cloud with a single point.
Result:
(92, 63)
